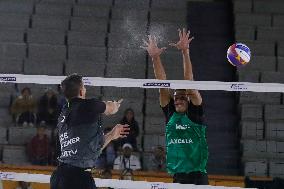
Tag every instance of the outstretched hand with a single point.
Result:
(120, 131)
(184, 40)
(152, 47)
(113, 106)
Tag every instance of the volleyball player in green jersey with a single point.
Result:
(187, 150)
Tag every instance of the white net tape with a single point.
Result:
(149, 83)
(113, 183)
(141, 83)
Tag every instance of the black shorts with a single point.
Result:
(197, 178)
(70, 177)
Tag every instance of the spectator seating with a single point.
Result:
(11, 65)
(256, 168)
(258, 24)
(46, 22)
(7, 90)
(151, 141)
(3, 135)
(38, 67)
(20, 136)
(15, 155)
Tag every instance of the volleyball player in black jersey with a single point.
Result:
(81, 137)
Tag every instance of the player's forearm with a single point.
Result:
(187, 66)
(159, 70)
(194, 95)
(161, 74)
(107, 139)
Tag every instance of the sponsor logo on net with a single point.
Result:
(239, 86)
(6, 176)
(7, 79)
(87, 81)
(158, 186)
(154, 84)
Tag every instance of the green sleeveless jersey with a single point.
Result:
(187, 149)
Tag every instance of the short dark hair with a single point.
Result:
(71, 86)
(128, 110)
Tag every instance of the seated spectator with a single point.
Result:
(48, 108)
(129, 119)
(24, 108)
(127, 160)
(15, 93)
(24, 185)
(61, 100)
(38, 148)
(158, 160)
(107, 156)
(55, 148)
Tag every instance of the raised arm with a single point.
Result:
(183, 46)
(154, 52)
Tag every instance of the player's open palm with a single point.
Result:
(184, 40)
(152, 47)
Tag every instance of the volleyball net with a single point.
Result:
(111, 183)
(148, 83)
(134, 89)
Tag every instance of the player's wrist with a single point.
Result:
(185, 51)
(112, 136)
(155, 57)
